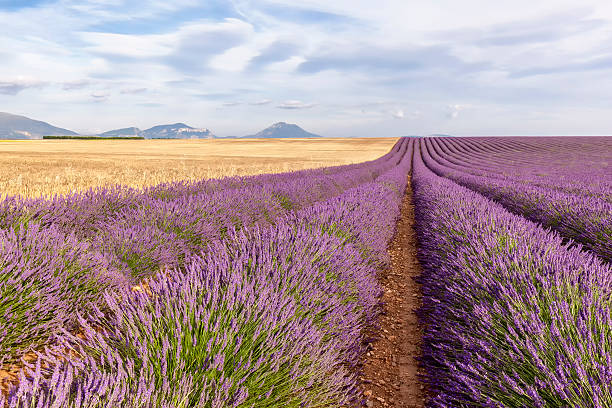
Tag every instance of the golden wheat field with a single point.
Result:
(35, 168)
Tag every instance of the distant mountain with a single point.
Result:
(125, 132)
(20, 127)
(439, 135)
(282, 130)
(176, 131)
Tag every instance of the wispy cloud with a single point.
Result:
(351, 57)
(276, 52)
(551, 27)
(197, 43)
(398, 114)
(197, 58)
(305, 14)
(402, 114)
(454, 110)
(295, 105)
(13, 87)
(151, 104)
(261, 102)
(78, 84)
(603, 63)
(100, 96)
(214, 96)
(133, 91)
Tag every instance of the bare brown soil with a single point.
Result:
(391, 370)
(9, 374)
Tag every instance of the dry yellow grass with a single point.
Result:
(47, 167)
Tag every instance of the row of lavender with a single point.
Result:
(268, 314)
(580, 210)
(59, 255)
(514, 317)
(86, 212)
(565, 164)
(134, 226)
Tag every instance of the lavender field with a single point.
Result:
(245, 291)
(515, 237)
(258, 291)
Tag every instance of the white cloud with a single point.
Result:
(261, 102)
(293, 104)
(131, 46)
(15, 85)
(233, 60)
(133, 91)
(78, 84)
(454, 110)
(100, 96)
(398, 114)
(417, 58)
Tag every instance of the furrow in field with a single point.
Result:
(392, 375)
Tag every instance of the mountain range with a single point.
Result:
(173, 131)
(125, 132)
(21, 127)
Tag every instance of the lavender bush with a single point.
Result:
(254, 291)
(45, 277)
(264, 308)
(59, 255)
(586, 218)
(514, 316)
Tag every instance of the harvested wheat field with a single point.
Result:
(36, 168)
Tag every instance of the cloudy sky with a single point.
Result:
(337, 68)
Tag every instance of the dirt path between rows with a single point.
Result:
(391, 370)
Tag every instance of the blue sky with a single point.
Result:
(341, 68)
